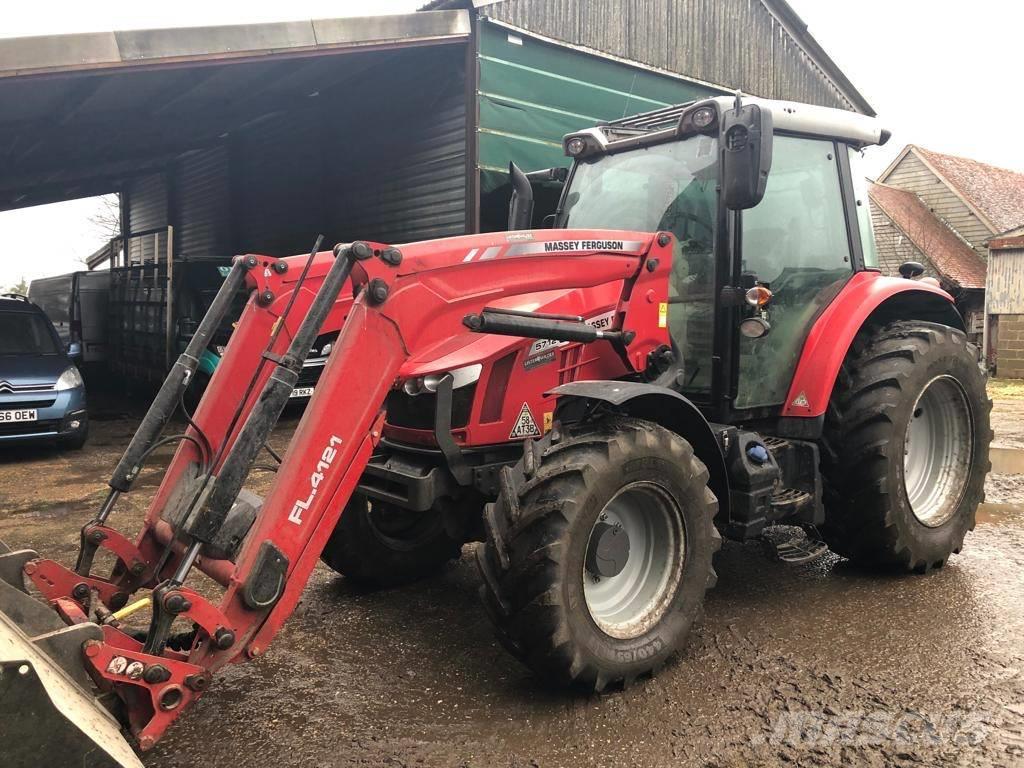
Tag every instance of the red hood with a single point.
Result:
(431, 258)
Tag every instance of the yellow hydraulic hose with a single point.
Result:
(135, 607)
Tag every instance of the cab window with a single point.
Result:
(797, 243)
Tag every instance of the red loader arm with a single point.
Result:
(406, 304)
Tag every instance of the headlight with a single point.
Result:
(461, 377)
(70, 379)
(704, 117)
(575, 146)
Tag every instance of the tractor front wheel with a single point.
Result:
(905, 448)
(599, 551)
(379, 545)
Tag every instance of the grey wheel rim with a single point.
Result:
(628, 604)
(938, 451)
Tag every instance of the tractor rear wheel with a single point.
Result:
(905, 447)
(599, 551)
(379, 545)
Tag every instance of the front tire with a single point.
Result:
(905, 447)
(599, 551)
(378, 545)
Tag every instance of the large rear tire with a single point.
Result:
(599, 551)
(905, 446)
(378, 545)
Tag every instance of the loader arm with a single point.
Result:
(395, 305)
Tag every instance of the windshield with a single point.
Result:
(664, 187)
(661, 187)
(25, 333)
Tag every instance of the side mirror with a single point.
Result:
(520, 209)
(911, 269)
(746, 155)
(74, 349)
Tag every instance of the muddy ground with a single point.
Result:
(822, 664)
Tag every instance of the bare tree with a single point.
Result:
(20, 287)
(106, 219)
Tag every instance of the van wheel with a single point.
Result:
(905, 447)
(598, 552)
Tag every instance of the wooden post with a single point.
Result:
(170, 356)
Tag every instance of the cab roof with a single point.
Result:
(787, 117)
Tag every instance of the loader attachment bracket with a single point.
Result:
(48, 717)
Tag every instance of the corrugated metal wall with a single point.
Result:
(147, 209)
(913, 175)
(399, 173)
(1006, 282)
(201, 204)
(732, 43)
(277, 183)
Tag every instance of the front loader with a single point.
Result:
(598, 406)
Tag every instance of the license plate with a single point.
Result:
(25, 414)
(302, 392)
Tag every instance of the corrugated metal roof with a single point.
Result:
(997, 193)
(82, 113)
(103, 50)
(956, 260)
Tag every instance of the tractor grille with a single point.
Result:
(417, 411)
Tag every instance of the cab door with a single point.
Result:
(797, 243)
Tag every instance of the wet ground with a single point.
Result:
(816, 665)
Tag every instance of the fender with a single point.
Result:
(867, 294)
(667, 408)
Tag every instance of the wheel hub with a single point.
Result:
(633, 563)
(608, 550)
(938, 451)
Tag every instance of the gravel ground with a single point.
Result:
(822, 664)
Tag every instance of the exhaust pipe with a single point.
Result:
(520, 208)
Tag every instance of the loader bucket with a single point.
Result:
(48, 714)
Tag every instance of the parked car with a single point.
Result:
(42, 394)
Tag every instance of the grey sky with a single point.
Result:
(941, 74)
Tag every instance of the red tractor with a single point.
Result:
(700, 345)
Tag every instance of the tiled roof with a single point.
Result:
(950, 255)
(997, 192)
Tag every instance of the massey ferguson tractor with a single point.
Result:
(699, 345)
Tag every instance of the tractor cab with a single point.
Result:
(769, 214)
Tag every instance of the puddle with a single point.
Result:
(997, 514)
(1006, 461)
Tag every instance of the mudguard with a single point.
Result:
(667, 408)
(867, 294)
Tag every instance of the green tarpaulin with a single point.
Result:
(532, 93)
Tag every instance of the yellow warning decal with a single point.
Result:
(549, 420)
(663, 314)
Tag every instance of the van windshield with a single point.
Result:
(26, 333)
